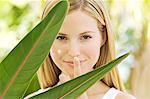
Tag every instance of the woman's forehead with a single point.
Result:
(78, 22)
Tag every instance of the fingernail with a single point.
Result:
(76, 58)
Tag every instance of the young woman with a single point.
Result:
(84, 42)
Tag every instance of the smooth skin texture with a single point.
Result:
(76, 50)
(78, 37)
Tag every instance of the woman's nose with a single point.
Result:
(74, 50)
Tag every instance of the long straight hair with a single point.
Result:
(48, 73)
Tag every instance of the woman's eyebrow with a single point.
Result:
(60, 33)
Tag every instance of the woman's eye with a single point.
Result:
(61, 38)
(86, 37)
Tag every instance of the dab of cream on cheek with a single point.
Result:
(59, 51)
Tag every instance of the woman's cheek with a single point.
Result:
(59, 54)
(94, 52)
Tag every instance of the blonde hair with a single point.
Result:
(48, 73)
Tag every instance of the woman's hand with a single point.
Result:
(77, 72)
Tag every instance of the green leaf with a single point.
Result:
(75, 87)
(21, 64)
(34, 86)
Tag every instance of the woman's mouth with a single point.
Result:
(71, 62)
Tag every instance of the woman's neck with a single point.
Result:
(98, 88)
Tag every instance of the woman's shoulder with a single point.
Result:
(124, 95)
(113, 93)
(36, 93)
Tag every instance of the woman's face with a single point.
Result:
(78, 37)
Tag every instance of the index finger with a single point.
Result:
(77, 67)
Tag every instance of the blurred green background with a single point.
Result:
(130, 23)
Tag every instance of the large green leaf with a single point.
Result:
(75, 87)
(21, 64)
(34, 86)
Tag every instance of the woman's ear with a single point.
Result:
(104, 38)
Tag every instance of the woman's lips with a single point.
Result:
(71, 62)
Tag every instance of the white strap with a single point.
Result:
(111, 93)
(36, 93)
